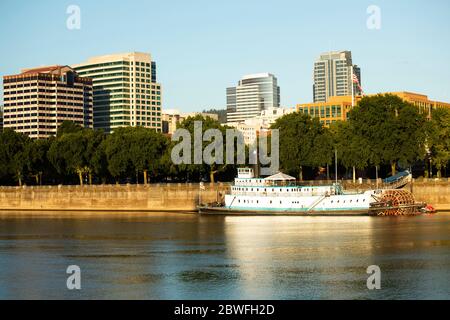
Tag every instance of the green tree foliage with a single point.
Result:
(303, 142)
(197, 171)
(68, 127)
(221, 113)
(392, 129)
(78, 151)
(439, 139)
(13, 155)
(68, 155)
(352, 150)
(137, 150)
(37, 163)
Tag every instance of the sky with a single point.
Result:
(203, 47)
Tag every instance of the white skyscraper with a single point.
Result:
(333, 76)
(253, 94)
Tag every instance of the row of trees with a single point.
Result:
(78, 155)
(382, 132)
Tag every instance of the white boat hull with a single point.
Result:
(320, 203)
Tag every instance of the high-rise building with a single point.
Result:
(333, 76)
(38, 100)
(125, 90)
(1, 119)
(253, 94)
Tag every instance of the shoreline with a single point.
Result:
(93, 214)
(115, 200)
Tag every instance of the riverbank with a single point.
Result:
(161, 197)
(110, 198)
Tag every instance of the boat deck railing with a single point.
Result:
(281, 194)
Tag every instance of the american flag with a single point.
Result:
(356, 80)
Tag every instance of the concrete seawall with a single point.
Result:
(160, 197)
(436, 193)
(157, 197)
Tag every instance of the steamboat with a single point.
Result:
(281, 195)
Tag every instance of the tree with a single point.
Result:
(36, 158)
(146, 150)
(303, 142)
(12, 154)
(67, 154)
(94, 154)
(117, 154)
(134, 149)
(352, 149)
(68, 127)
(393, 130)
(199, 170)
(439, 139)
(221, 113)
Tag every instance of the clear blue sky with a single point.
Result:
(202, 47)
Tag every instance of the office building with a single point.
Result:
(253, 94)
(125, 91)
(421, 101)
(337, 108)
(38, 100)
(333, 76)
(254, 127)
(172, 117)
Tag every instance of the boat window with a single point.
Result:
(270, 201)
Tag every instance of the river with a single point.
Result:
(184, 256)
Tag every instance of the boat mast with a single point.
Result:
(335, 165)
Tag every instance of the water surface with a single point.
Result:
(179, 256)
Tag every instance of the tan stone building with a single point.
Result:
(38, 100)
(172, 117)
(337, 108)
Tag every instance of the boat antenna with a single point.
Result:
(335, 165)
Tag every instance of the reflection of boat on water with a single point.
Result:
(280, 195)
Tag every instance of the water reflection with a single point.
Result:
(304, 254)
(172, 256)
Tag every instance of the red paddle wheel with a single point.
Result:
(398, 203)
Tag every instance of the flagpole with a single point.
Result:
(353, 88)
